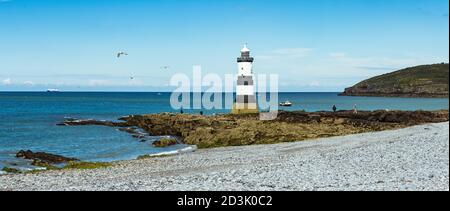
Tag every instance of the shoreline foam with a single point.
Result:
(187, 149)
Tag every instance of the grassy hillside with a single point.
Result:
(421, 81)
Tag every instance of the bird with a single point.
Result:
(132, 78)
(121, 54)
(165, 67)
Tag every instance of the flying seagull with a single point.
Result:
(165, 67)
(121, 54)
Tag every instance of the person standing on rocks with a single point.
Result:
(334, 108)
(355, 109)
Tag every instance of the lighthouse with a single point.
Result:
(245, 91)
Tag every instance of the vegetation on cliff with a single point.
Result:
(421, 81)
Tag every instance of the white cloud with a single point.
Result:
(314, 83)
(376, 63)
(337, 55)
(28, 83)
(136, 82)
(293, 52)
(96, 82)
(7, 81)
(126, 83)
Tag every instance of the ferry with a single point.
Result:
(52, 90)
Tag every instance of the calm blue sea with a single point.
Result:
(28, 120)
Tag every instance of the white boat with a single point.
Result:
(286, 104)
(52, 90)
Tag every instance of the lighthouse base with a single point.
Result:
(245, 108)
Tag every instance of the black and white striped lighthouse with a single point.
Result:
(245, 90)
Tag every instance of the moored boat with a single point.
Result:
(286, 104)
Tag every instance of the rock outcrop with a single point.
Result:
(165, 142)
(248, 129)
(42, 158)
(80, 122)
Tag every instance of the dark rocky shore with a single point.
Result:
(46, 161)
(238, 130)
(42, 158)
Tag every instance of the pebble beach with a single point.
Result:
(410, 159)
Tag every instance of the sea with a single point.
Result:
(28, 120)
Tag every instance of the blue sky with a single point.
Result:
(314, 45)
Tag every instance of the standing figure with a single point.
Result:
(334, 108)
(355, 109)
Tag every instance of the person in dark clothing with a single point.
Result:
(334, 108)
(181, 111)
(201, 113)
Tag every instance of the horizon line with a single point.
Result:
(161, 92)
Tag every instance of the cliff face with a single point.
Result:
(420, 81)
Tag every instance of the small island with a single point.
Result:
(426, 81)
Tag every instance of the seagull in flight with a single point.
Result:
(165, 67)
(121, 54)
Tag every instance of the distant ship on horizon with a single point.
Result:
(52, 90)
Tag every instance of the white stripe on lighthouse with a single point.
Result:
(245, 90)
